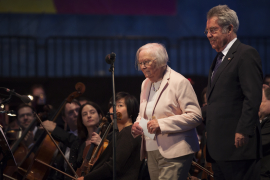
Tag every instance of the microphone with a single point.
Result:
(24, 98)
(110, 58)
(118, 115)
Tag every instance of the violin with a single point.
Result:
(45, 153)
(206, 171)
(198, 155)
(208, 166)
(88, 151)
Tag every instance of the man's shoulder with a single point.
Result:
(243, 51)
(242, 48)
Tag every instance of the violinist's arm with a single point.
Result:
(63, 136)
(49, 125)
(59, 134)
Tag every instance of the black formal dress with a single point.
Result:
(265, 161)
(127, 158)
(233, 100)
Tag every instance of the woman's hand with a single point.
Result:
(153, 127)
(136, 129)
(95, 138)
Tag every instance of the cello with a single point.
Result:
(208, 166)
(45, 152)
(19, 151)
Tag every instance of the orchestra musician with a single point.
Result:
(89, 117)
(25, 114)
(127, 148)
(66, 138)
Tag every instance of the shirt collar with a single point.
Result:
(35, 130)
(227, 48)
(74, 132)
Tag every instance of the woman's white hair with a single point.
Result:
(157, 50)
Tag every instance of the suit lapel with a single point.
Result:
(209, 77)
(145, 94)
(228, 58)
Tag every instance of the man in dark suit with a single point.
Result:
(265, 131)
(69, 116)
(234, 95)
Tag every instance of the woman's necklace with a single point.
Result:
(156, 85)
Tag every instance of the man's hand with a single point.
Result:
(136, 129)
(240, 140)
(153, 127)
(49, 125)
(80, 178)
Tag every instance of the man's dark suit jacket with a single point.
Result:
(233, 101)
(265, 162)
(66, 139)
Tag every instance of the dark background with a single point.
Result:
(46, 60)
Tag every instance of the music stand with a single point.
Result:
(6, 156)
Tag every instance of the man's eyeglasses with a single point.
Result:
(211, 31)
(26, 114)
(145, 63)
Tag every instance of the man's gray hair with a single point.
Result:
(157, 50)
(226, 17)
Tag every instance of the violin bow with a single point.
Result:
(202, 168)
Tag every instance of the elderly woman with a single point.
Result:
(169, 102)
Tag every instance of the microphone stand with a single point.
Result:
(110, 58)
(12, 92)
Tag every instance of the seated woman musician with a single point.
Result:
(127, 148)
(88, 120)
